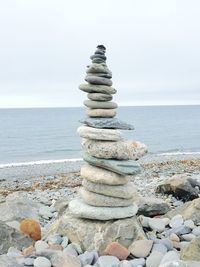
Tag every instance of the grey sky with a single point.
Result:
(153, 50)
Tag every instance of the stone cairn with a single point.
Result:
(107, 192)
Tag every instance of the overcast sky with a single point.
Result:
(153, 50)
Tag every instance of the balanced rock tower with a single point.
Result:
(107, 192)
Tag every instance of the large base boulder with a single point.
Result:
(10, 237)
(94, 234)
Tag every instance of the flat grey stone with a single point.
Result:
(81, 210)
(101, 113)
(103, 176)
(107, 261)
(107, 123)
(98, 80)
(99, 134)
(99, 200)
(99, 97)
(122, 191)
(95, 88)
(154, 259)
(100, 104)
(104, 75)
(124, 167)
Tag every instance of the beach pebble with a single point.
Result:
(14, 252)
(159, 247)
(170, 256)
(65, 241)
(28, 261)
(77, 248)
(107, 261)
(176, 221)
(124, 263)
(70, 250)
(173, 264)
(117, 250)
(137, 262)
(42, 262)
(189, 223)
(40, 245)
(184, 244)
(157, 224)
(188, 237)
(196, 231)
(86, 258)
(174, 237)
(154, 259)
(141, 248)
(54, 239)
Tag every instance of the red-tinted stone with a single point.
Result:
(117, 250)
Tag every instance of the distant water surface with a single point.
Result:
(50, 133)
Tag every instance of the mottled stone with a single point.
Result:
(157, 224)
(126, 191)
(192, 251)
(170, 256)
(154, 259)
(99, 200)
(99, 97)
(42, 262)
(103, 176)
(95, 88)
(100, 104)
(107, 123)
(107, 261)
(141, 248)
(117, 250)
(11, 237)
(176, 221)
(122, 150)
(149, 206)
(124, 167)
(97, 235)
(82, 210)
(101, 113)
(65, 260)
(98, 68)
(99, 134)
(98, 80)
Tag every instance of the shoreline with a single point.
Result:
(64, 166)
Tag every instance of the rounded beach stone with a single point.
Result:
(99, 200)
(141, 248)
(117, 250)
(42, 262)
(99, 97)
(126, 191)
(81, 210)
(100, 104)
(98, 68)
(101, 113)
(102, 176)
(125, 149)
(98, 56)
(98, 80)
(99, 134)
(104, 75)
(95, 88)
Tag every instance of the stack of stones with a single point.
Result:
(111, 161)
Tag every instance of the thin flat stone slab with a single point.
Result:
(98, 234)
(95, 88)
(99, 97)
(81, 210)
(103, 176)
(100, 104)
(98, 80)
(99, 200)
(105, 123)
(122, 150)
(123, 167)
(101, 113)
(99, 134)
(126, 191)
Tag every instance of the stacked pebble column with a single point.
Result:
(111, 161)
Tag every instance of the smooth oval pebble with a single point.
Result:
(99, 97)
(42, 262)
(98, 80)
(100, 104)
(95, 88)
(101, 113)
(40, 245)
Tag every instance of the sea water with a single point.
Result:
(49, 134)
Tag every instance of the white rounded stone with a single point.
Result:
(42, 262)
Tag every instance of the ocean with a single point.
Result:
(49, 134)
